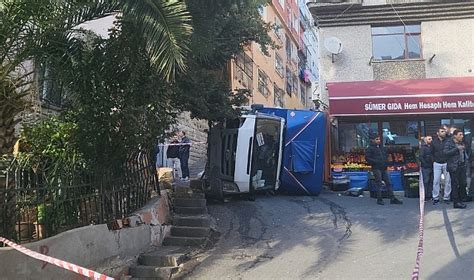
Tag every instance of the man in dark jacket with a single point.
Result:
(376, 156)
(426, 160)
(172, 155)
(457, 158)
(185, 146)
(440, 166)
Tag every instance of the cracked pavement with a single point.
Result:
(336, 237)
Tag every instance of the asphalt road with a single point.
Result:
(337, 237)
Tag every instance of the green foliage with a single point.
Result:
(45, 32)
(165, 27)
(119, 100)
(50, 147)
(221, 29)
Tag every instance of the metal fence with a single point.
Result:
(33, 208)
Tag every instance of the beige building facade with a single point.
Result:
(273, 79)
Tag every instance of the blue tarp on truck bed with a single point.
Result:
(303, 150)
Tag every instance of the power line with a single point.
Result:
(343, 12)
(401, 20)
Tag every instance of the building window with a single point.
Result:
(279, 66)
(263, 82)
(288, 47)
(303, 95)
(51, 91)
(396, 42)
(289, 82)
(296, 24)
(278, 94)
(355, 135)
(282, 3)
(277, 28)
(294, 53)
(245, 63)
(294, 87)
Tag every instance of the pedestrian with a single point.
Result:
(457, 158)
(184, 148)
(468, 139)
(426, 160)
(439, 166)
(449, 131)
(376, 156)
(172, 156)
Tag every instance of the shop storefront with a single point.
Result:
(402, 112)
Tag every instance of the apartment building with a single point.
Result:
(278, 79)
(401, 68)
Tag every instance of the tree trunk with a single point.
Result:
(7, 135)
(7, 200)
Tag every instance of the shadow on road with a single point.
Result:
(450, 233)
(279, 224)
(461, 268)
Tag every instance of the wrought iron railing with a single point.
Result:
(33, 207)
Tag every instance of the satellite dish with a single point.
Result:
(333, 45)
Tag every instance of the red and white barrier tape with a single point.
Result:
(416, 271)
(68, 266)
(181, 144)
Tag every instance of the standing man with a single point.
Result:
(455, 151)
(184, 148)
(376, 156)
(426, 160)
(172, 155)
(439, 166)
(468, 140)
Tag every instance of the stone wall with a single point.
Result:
(451, 41)
(92, 246)
(196, 130)
(399, 69)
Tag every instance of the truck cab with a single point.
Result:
(244, 155)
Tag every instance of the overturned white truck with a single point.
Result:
(266, 149)
(244, 155)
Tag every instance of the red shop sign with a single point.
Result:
(428, 96)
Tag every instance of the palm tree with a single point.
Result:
(42, 29)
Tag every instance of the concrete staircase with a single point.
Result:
(190, 229)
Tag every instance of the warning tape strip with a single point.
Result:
(181, 144)
(68, 266)
(416, 271)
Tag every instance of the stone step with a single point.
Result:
(166, 256)
(183, 241)
(190, 231)
(192, 221)
(189, 195)
(190, 210)
(195, 185)
(189, 202)
(182, 189)
(145, 271)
